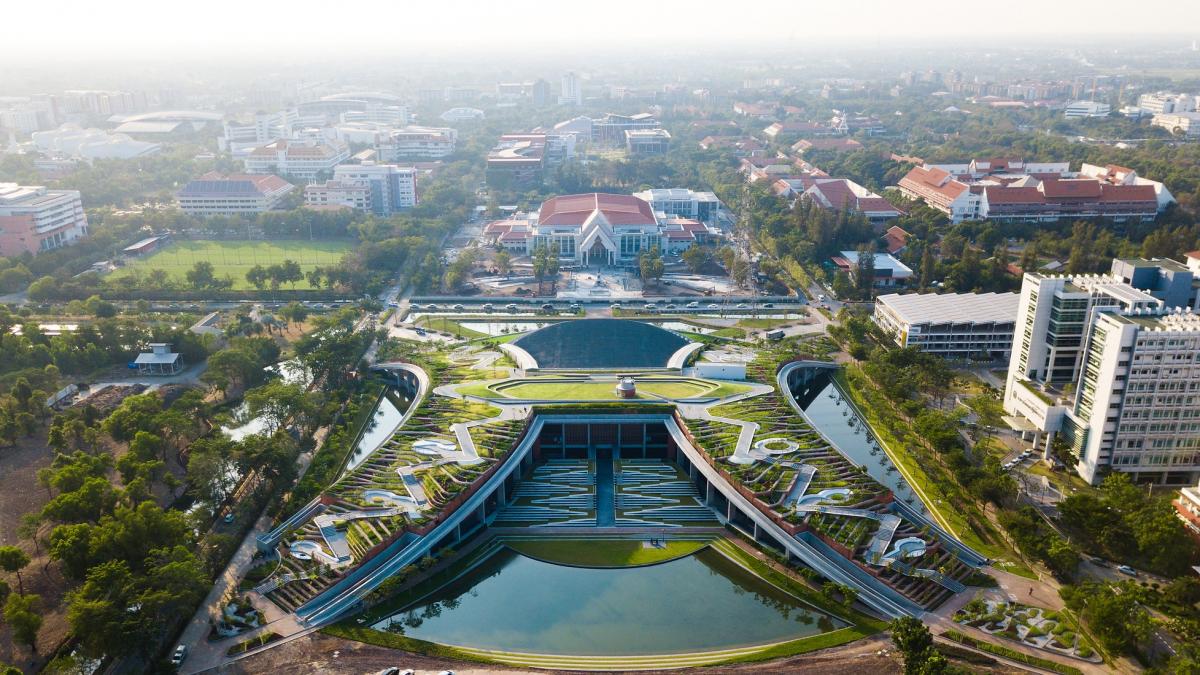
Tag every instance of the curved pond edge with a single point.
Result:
(785, 391)
(755, 654)
(703, 545)
(854, 628)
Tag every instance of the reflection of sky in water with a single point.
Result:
(701, 602)
(834, 418)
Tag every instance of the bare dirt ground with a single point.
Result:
(315, 653)
(20, 494)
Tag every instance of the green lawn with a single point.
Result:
(235, 258)
(449, 325)
(601, 552)
(763, 323)
(603, 391)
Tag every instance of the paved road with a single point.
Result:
(201, 654)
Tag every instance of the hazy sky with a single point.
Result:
(93, 29)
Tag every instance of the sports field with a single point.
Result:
(235, 258)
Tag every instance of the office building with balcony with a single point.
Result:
(34, 219)
(683, 203)
(1111, 364)
(390, 188)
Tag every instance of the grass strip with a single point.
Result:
(1013, 654)
(380, 638)
(934, 493)
(253, 643)
(805, 645)
(602, 553)
(796, 588)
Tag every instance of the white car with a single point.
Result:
(693, 305)
(179, 655)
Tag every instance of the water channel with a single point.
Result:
(827, 409)
(698, 603)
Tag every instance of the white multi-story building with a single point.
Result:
(392, 187)
(414, 142)
(394, 115)
(1160, 103)
(571, 93)
(1112, 364)
(69, 140)
(951, 325)
(1185, 124)
(647, 141)
(34, 219)
(335, 193)
(215, 194)
(1087, 109)
(683, 203)
(305, 160)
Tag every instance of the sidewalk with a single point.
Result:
(202, 654)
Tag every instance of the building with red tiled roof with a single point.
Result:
(217, 194)
(745, 146)
(304, 160)
(896, 239)
(597, 228)
(1015, 190)
(841, 194)
(942, 191)
(781, 131)
(834, 144)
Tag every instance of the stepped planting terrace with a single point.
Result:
(541, 507)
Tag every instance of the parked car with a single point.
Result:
(510, 307)
(547, 307)
(693, 305)
(1099, 562)
(415, 307)
(229, 517)
(1126, 569)
(432, 307)
(713, 305)
(768, 305)
(179, 655)
(487, 307)
(459, 308)
(669, 305)
(742, 305)
(419, 331)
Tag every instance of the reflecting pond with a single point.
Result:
(825, 405)
(379, 429)
(701, 602)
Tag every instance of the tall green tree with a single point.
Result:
(13, 559)
(21, 612)
(915, 642)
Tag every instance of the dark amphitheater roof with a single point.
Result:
(601, 343)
